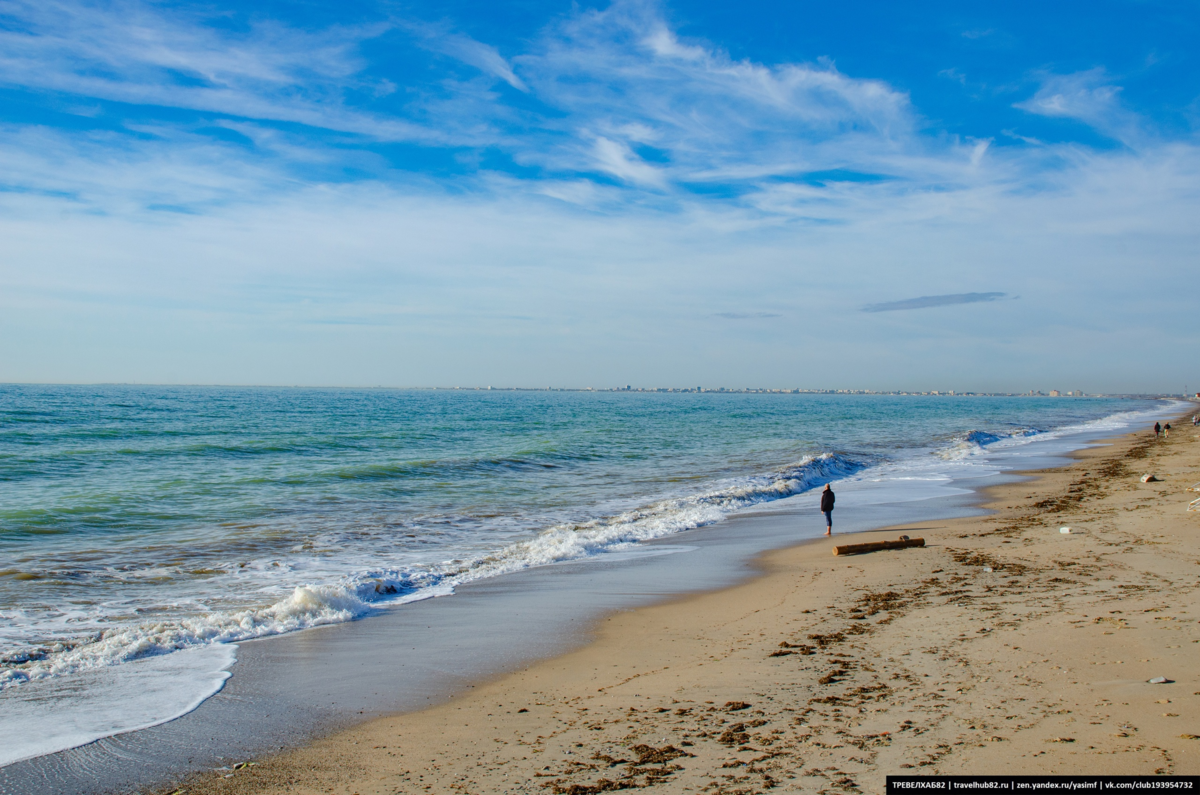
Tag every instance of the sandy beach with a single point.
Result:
(1002, 646)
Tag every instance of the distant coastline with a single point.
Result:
(1053, 393)
(629, 388)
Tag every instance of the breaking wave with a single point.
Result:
(975, 442)
(361, 592)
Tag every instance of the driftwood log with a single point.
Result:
(874, 546)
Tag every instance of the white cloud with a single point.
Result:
(979, 150)
(665, 44)
(115, 175)
(437, 273)
(136, 53)
(613, 80)
(953, 74)
(484, 57)
(1088, 97)
(616, 158)
(714, 117)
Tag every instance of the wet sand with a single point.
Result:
(1003, 646)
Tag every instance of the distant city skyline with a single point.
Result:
(630, 389)
(866, 194)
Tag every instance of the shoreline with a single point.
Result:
(666, 734)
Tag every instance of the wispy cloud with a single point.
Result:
(953, 74)
(618, 159)
(1090, 97)
(609, 95)
(746, 315)
(929, 301)
(711, 118)
(609, 80)
(141, 54)
(484, 57)
(615, 94)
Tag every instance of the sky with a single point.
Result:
(857, 195)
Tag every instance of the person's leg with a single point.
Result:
(828, 522)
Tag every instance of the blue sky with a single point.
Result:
(859, 195)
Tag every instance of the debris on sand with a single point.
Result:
(904, 542)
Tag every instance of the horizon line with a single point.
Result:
(631, 389)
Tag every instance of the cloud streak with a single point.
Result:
(144, 56)
(1089, 97)
(746, 315)
(708, 117)
(606, 95)
(485, 57)
(930, 301)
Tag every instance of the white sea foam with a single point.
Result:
(973, 443)
(69, 711)
(306, 606)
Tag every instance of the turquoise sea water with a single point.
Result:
(141, 522)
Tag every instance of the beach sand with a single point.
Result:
(1003, 646)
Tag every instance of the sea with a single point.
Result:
(145, 531)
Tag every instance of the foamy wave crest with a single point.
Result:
(307, 606)
(357, 593)
(1125, 419)
(663, 518)
(975, 442)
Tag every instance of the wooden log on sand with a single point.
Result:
(875, 546)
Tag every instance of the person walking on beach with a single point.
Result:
(1166, 430)
(1157, 430)
(827, 499)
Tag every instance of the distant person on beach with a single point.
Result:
(827, 499)
(1157, 429)
(1166, 430)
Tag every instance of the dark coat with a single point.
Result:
(827, 501)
